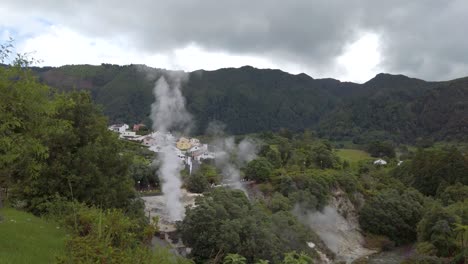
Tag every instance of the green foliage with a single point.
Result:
(426, 248)
(224, 221)
(443, 227)
(253, 100)
(144, 175)
(234, 259)
(393, 214)
(259, 169)
(432, 168)
(395, 107)
(310, 190)
(352, 155)
(453, 193)
(297, 258)
(279, 203)
(197, 183)
(202, 178)
(85, 160)
(210, 172)
(381, 149)
(26, 122)
(106, 236)
(297, 153)
(26, 238)
(423, 259)
(58, 157)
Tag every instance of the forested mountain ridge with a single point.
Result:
(249, 100)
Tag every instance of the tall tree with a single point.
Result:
(85, 162)
(26, 123)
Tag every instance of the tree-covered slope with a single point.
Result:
(245, 99)
(401, 108)
(249, 100)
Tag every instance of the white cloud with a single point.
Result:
(361, 59)
(56, 45)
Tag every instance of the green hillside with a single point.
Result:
(249, 100)
(29, 239)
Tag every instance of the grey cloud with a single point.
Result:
(425, 39)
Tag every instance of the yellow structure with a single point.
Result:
(183, 143)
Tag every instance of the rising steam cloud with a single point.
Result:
(168, 112)
(341, 235)
(230, 157)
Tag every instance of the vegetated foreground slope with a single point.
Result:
(250, 100)
(29, 239)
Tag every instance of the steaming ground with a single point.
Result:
(230, 157)
(156, 206)
(341, 235)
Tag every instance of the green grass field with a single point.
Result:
(25, 238)
(353, 156)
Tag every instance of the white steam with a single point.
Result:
(230, 157)
(340, 234)
(168, 112)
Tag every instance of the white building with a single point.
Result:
(380, 162)
(202, 155)
(194, 142)
(199, 147)
(157, 139)
(120, 128)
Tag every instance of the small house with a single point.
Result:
(120, 128)
(183, 144)
(380, 162)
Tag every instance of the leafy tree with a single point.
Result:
(454, 193)
(224, 221)
(210, 173)
(85, 160)
(309, 190)
(393, 214)
(461, 232)
(272, 155)
(430, 168)
(259, 170)
(25, 111)
(279, 203)
(143, 175)
(440, 226)
(197, 183)
(323, 156)
(381, 149)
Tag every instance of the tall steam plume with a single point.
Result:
(168, 113)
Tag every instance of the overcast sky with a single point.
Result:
(343, 39)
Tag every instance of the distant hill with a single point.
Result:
(250, 100)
